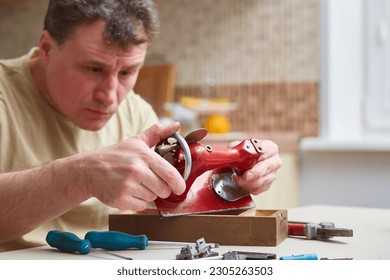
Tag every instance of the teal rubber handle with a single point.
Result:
(300, 257)
(116, 240)
(68, 242)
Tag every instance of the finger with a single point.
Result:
(158, 132)
(263, 168)
(269, 148)
(129, 195)
(258, 185)
(142, 192)
(156, 173)
(261, 176)
(155, 185)
(168, 174)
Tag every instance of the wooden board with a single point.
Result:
(249, 228)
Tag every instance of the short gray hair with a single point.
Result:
(124, 19)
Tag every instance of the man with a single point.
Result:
(75, 139)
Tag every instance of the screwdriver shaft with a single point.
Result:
(169, 243)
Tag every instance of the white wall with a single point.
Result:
(341, 68)
(345, 166)
(350, 176)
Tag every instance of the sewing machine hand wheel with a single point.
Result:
(165, 149)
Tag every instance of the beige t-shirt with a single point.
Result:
(32, 133)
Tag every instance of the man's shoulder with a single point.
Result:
(13, 70)
(12, 64)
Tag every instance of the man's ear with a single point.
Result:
(46, 43)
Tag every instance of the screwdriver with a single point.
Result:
(109, 240)
(116, 240)
(68, 242)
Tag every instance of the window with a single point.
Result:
(355, 69)
(377, 90)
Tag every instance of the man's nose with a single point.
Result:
(107, 90)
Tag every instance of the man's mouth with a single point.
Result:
(103, 114)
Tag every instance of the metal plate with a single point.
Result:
(196, 135)
(226, 187)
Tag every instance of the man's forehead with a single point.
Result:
(97, 30)
(90, 38)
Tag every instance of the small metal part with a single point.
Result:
(187, 154)
(169, 243)
(241, 255)
(198, 250)
(165, 149)
(327, 230)
(162, 150)
(336, 258)
(226, 188)
(196, 135)
(169, 157)
(324, 230)
(118, 256)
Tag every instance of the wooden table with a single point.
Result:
(371, 229)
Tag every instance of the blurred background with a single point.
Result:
(311, 75)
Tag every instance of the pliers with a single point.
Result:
(323, 230)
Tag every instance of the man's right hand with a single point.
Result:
(130, 174)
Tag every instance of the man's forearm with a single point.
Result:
(31, 197)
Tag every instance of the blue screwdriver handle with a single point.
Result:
(116, 240)
(68, 242)
(300, 257)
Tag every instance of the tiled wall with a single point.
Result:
(21, 22)
(262, 54)
(268, 106)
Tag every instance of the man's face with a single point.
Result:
(87, 78)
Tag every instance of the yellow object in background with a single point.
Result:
(217, 123)
(194, 102)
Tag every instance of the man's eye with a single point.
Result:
(95, 69)
(125, 73)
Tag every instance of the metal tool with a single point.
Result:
(242, 255)
(324, 230)
(116, 240)
(209, 186)
(109, 240)
(336, 258)
(200, 249)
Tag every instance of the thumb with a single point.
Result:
(154, 134)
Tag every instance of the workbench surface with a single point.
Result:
(370, 241)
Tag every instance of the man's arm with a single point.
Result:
(126, 175)
(34, 196)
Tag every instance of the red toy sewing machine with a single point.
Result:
(208, 173)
